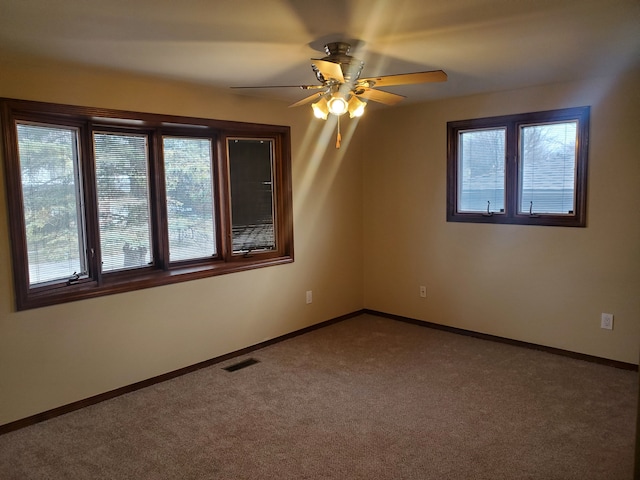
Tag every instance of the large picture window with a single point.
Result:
(105, 201)
(524, 169)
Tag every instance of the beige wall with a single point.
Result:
(370, 227)
(545, 285)
(56, 355)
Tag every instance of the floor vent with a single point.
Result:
(243, 364)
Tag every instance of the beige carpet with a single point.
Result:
(367, 398)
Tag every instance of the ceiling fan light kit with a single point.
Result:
(342, 90)
(320, 109)
(356, 107)
(337, 105)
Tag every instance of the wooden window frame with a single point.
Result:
(161, 271)
(512, 124)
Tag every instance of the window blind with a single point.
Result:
(481, 170)
(548, 154)
(49, 170)
(123, 200)
(190, 205)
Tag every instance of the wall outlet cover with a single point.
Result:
(606, 321)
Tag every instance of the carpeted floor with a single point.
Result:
(367, 398)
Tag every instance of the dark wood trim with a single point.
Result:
(512, 124)
(110, 117)
(518, 343)
(161, 271)
(14, 190)
(64, 409)
(636, 465)
(120, 282)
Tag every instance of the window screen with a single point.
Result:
(548, 173)
(251, 180)
(190, 207)
(123, 200)
(49, 172)
(481, 171)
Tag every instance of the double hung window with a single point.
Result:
(104, 201)
(524, 169)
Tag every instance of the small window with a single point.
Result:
(524, 169)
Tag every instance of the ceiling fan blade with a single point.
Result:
(329, 70)
(381, 96)
(308, 99)
(303, 87)
(406, 78)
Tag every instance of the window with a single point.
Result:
(190, 198)
(525, 169)
(103, 201)
(124, 216)
(251, 170)
(51, 198)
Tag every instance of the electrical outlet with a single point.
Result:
(606, 321)
(309, 296)
(423, 291)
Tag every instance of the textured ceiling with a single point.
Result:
(483, 45)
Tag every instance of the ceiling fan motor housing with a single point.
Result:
(338, 52)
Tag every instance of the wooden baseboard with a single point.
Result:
(508, 341)
(56, 412)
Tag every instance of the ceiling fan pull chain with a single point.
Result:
(339, 137)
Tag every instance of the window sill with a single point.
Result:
(501, 218)
(141, 279)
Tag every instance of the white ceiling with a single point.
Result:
(483, 45)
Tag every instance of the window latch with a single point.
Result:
(75, 278)
(489, 212)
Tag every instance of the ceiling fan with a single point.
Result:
(341, 89)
